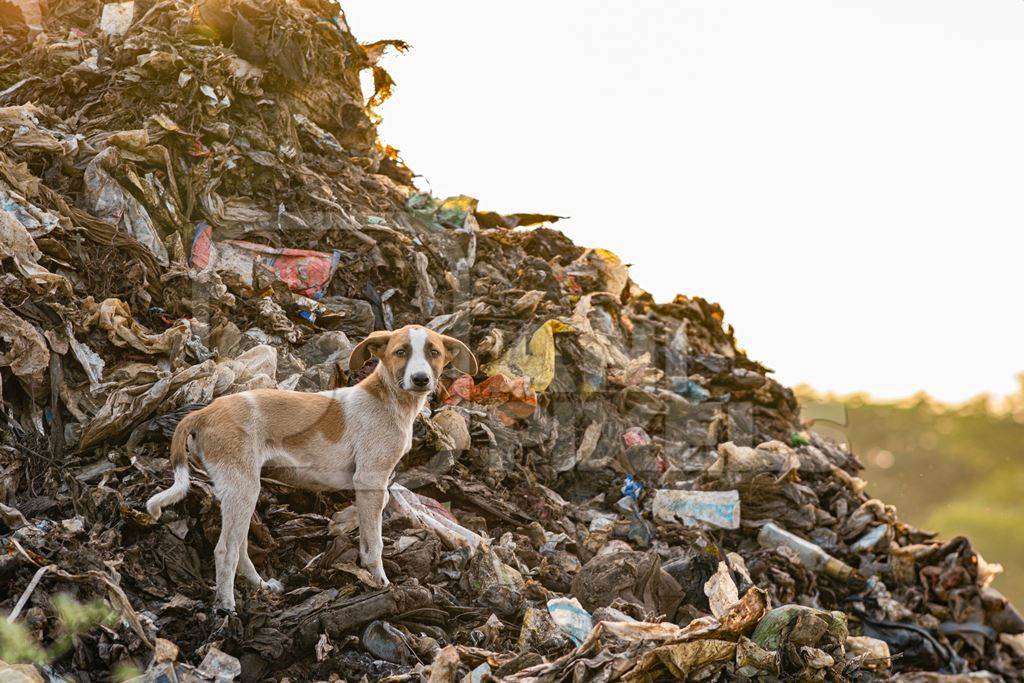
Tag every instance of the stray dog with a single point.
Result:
(345, 438)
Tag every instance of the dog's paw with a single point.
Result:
(224, 610)
(273, 586)
(380, 577)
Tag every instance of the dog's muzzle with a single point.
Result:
(420, 382)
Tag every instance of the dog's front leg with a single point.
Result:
(371, 496)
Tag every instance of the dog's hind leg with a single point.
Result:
(247, 569)
(237, 504)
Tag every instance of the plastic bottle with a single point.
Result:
(811, 556)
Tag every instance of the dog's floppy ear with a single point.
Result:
(459, 355)
(371, 346)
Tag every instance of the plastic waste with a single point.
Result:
(635, 436)
(117, 17)
(512, 398)
(707, 509)
(632, 488)
(541, 633)
(219, 666)
(107, 199)
(874, 653)
(28, 355)
(916, 647)
(631, 576)
(305, 271)
(533, 358)
(811, 555)
(799, 626)
(570, 616)
(497, 585)
(690, 389)
(721, 591)
(386, 642)
(871, 539)
(429, 514)
(613, 414)
(753, 660)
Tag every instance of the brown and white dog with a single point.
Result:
(350, 438)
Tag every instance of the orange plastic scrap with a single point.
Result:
(456, 392)
(512, 398)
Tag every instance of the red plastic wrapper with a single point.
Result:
(635, 436)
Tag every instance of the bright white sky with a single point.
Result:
(844, 177)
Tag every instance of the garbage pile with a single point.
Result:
(195, 202)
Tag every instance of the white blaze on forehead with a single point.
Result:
(417, 356)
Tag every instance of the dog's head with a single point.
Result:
(413, 356)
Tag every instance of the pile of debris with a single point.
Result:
(195, 202)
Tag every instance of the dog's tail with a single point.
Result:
(182, 443)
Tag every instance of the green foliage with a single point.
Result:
(73, 618)
(955, 470)
(17, 645)
(76, 617)
(126, 672)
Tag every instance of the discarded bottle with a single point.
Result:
(811, 556)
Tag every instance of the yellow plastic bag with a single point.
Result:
(533, 358)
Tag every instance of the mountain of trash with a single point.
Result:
(195, 202)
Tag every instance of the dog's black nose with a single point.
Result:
(421, 379)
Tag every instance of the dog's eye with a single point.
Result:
(434, 353)
(400, 353)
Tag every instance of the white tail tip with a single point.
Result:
(172, 495)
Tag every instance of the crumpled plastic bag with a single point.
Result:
(90, 361)
(216, 666)
(448, 430)
(570, 616)
(721, 591)
(799, 625)
(37, 222)
(752, 659)
(513, 399)
(131, 404)
(739, 619)
(31, 14)
(533, 358)
(873, 653)
(606, 266)
(496, 585)
(305, 271)
(108, 200)
(417, 509)
(631, 575)
(541, 633)
(604, 360)
(28, 135)
(253, 369)
(743, 462)
(17, 244)
(115, 318)
(28, 356)
(684, 661)
(117, 17)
